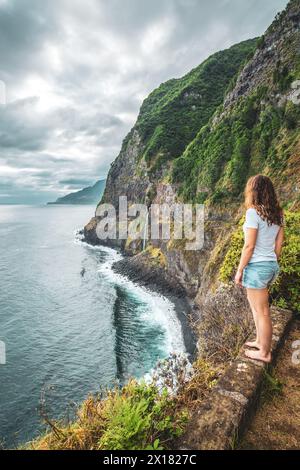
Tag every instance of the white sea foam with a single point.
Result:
(160, 310)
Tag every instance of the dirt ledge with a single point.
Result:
(223, 418)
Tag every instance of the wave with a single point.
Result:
(161, 311)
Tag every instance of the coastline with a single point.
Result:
(155, 281)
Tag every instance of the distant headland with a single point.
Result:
(89, 195)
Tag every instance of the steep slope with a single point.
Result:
(89, 195)
(194, 143)
(257, 127)
(168, 120)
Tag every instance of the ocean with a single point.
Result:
(71, 326)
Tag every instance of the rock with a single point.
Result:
(224, 416)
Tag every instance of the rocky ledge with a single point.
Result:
(149, 273)
(224, 416)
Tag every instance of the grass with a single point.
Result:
(272, 386)
(173, 113)
(255, 136)
(226, 323)
(137, 416)
(134, 417)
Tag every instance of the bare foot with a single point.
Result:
(253, 344)
(258, 356)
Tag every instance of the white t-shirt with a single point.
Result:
(265, 243)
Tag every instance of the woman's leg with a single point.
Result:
(256, 343)
(259, 299)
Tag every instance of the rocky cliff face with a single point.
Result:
(142, 169)
(168, 121)
(199, 138)
(128, 175)
(278, 49)
(257, 127)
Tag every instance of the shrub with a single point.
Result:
(138, 417)
(135, 417)
(232, 257)
(271, 387)
(261, 42)
(282, 77)
(286, 290)
(292, 116)
(226, 322)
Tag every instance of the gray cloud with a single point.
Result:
(76, 74)
(74, 183)
(21, 128)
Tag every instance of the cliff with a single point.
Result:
(257, 127)
(169, 120)
(198, 139)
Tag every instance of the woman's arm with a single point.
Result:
(279, 242)
(248, 248)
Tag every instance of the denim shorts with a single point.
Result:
(260, 274)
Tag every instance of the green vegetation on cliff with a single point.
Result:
(234, 115)
(255, 137)
(257, 128)
(172, 114)
(137, 416)
(229, 118)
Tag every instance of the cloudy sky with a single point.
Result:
(76, 73)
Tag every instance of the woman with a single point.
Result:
(263, 232)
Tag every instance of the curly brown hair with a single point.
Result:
(260, 194)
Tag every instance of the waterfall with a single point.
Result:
(145, 234)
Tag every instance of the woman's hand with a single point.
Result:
(238, 277)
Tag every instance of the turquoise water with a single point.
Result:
(70, 325)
